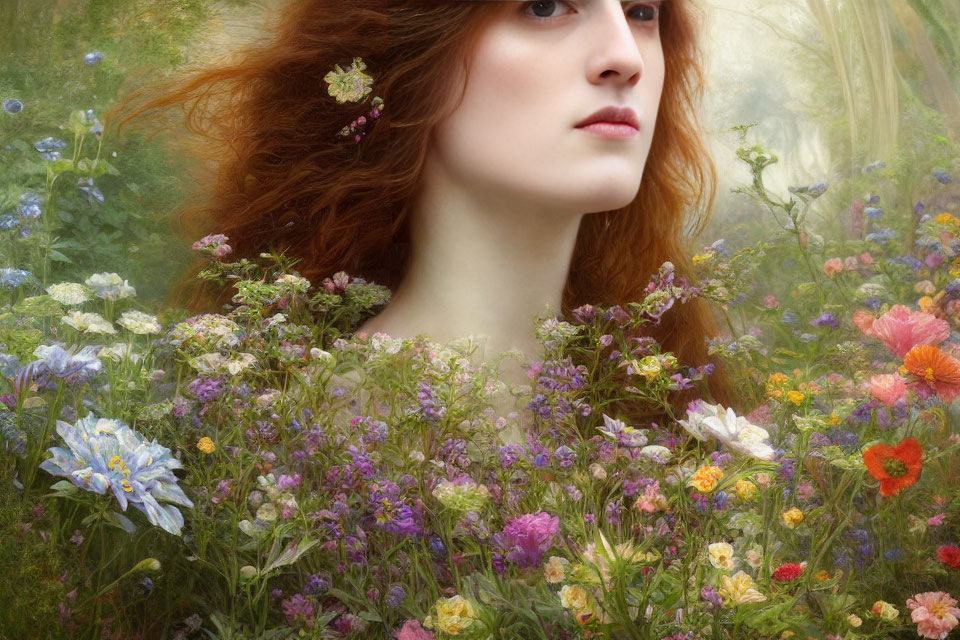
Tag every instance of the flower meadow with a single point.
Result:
(267, 472)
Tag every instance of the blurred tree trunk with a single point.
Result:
(942, 90)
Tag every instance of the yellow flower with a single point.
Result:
(454, 614)
(721, 555)
(206, 445)
(573, 597)
(885, 610)
(555, 569)
(833, 420)
(777, 379)
(796, 397)
(854, 620)
(745, 490)
(703, 257)
(774, 393)
(821, 576)
(705, 479)
(946, 218)
(926, 304)
(793, 517)
(740, 589)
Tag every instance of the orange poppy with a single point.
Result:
(895, 467)
(934, 368)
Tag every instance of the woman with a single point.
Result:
(477, 197)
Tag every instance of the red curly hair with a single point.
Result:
(286, 181)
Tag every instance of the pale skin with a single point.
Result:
(509, 177)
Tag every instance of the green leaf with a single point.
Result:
(291, 554)
(369, 616)
(121, 522)
(64, 487)
(59, 257)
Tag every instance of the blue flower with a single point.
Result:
(789, 317)
(881, 236)
(107, 454)
(86, 186)
(12, 278)
(11, 105)
(9, 223)
(918, 208)
(828, 319)
(942, 177)
(49, 144)
(92, 58)
(874, 213)
(72, 366)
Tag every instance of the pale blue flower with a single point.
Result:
(108, 455)
(11, 278)
(12, 105)
(53, 360)
(49, 144)
(86, 186)
(92, 58)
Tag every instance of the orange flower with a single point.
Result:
(938, 371)
(895, 467)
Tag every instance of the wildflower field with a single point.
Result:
(265, 472)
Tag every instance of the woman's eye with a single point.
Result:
(545, 10)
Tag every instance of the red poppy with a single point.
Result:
(787, 572)
(949, 555)
(935, 370)
(895, 467)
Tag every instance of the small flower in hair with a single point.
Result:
(351, 84)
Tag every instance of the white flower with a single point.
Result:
(696, 413)
(721, 555)
(657, 453)
(139, 322)
(738, 434)
(216, 363)
(69, 293)
(110, 286)
(88, 322)
(117, 352)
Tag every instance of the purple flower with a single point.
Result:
(710, 594)
(395, 596)
(527, 538)
(565, 456)
(298, 609)
(205, 389)
(828, 319)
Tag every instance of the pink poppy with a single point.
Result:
(888, 388)
(934, 613)
(412, 630)
(864, 321)
(901, 329)
(832, 267)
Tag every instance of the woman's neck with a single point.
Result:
(480, 266)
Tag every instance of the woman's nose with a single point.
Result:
(616, 53)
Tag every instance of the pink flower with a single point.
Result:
(760, 415)
(832, 267)
(864, 321)
(936, 520)
(888, 388)
(866, 259)
(901, 329)
(934, 613)
(412, 630)
(770, 302)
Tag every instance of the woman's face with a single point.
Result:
(539, 69)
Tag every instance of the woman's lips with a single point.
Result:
(615, 130)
